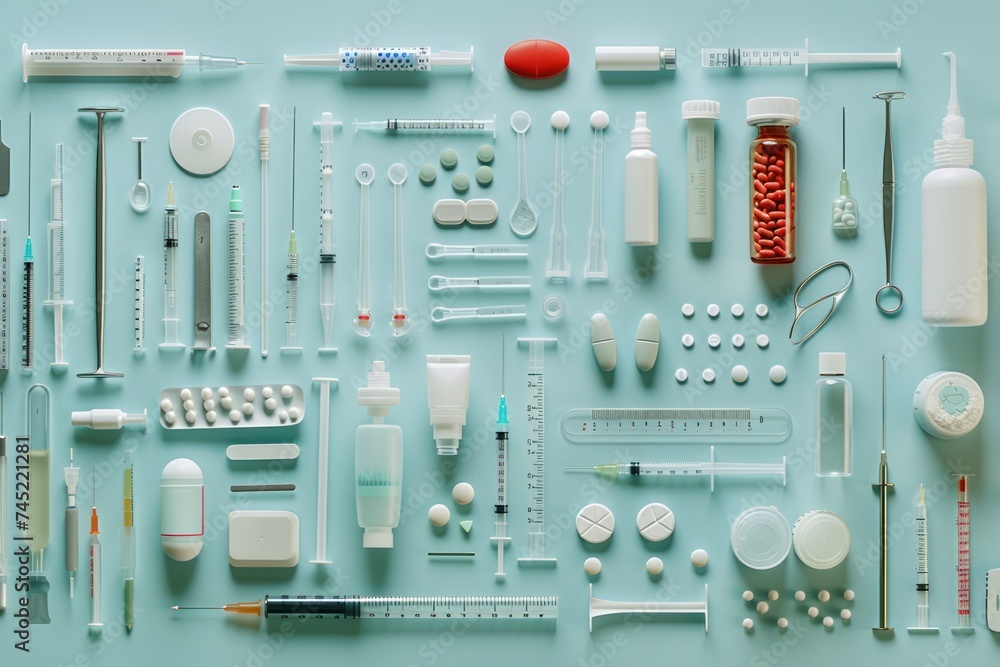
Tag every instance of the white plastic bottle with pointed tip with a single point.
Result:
(642, 187)
(954, 262)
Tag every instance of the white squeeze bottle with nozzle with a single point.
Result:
(954, 264)
(642, 187)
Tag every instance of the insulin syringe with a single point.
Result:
(760, 57)
(488, 126)
(171, 311)
(117, 62)
(386, 59)
(687, 469)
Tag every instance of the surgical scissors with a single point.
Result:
(833, 297)
(887, 291)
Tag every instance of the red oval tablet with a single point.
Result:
(536, 59)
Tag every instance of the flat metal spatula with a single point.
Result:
(4, 168)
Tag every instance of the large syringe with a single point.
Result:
(168, 63)
(768, 57)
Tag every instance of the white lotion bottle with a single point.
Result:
(378, 462)
(642, 188)
(954, 262)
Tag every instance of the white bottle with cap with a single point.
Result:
(378, 462)
(642, 188)
(634, 59)
(954, 265)
(834, 417)
(700, 116)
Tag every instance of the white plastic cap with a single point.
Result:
(634, 58)
(641, 136)
(773, 111)
(377, 538)
(700, 109)
(378, 395)
(832, 363)
(953, 149)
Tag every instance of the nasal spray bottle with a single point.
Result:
(378, 462)
(642, 188)
(954, 265)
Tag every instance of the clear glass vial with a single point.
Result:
(834, 417)
(772, 179)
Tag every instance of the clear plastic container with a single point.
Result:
(834, 417)
(772, 179)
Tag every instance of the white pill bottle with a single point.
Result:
(642, 188)
(954, 262)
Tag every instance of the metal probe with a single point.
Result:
(884, 486)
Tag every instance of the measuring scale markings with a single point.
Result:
(584, 425)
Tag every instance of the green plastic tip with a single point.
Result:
(608, 470)
(236, 200)
(466, 526)
(502, 411)
(293, 245)
(29, 256)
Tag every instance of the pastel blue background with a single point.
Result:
(258, 32)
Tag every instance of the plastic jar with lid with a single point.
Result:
(772, 179)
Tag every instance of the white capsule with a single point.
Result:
(186, 394)
(166, 405)
(293, 414)
(223, 392)
(267, 392)
(235, 416)
(209, 404)
(191, 416)
(188, 405)
(249, 394)
(170, 417)
(270, 404)
(286, 391)
(226, 402)
(206, 393)
(248, 409)
(211, 416)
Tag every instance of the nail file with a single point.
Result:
(202, 282)
(282, 451)
(4, 167)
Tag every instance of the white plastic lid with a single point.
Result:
(773, 111)
(822, 539)
(700, 109)
(761, 538)
(832, 363)
(377, 538)
(948, 404)
(201, 141)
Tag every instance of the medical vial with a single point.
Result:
(642, 188)
(834, 417)
(700, 116)
(772, 179)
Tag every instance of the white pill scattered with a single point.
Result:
(761, 310)
(439, 515)
(748, 596)
(249, 394)
(248, 409)
(748, 623)
(772, 595)
(270, 404)
(170, 417)
(190, 416)
(845, 614)
(763, 341)
(166, 405)
(778, 374)
(226, 402)
(209, 404)
(828, 621)
(740, 374)
(813, 612)
(687, 310)
(738, 341)
(211, 416)
(286, 391)
(699, 558)
(687, 340)
(189, 405)
(782, 622)
(595, 523)
(235, 416)
(186, 394)
(708, 375)
(681, 375)
(206, 393)
(714, 340)
(282, 415)
(736, 310)
(763, 607)
(223, 392)
(267, 392)
(463, 493)
(293, 414)
(823, 596)
(800, 595)
(654, 566)
(849, 595)
(713, 310)
(655, 522)
(592, 566)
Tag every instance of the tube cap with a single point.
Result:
(377, 538)
(700, 109)
(832, 363)
(773, 111)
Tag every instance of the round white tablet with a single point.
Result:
(761, 310)
(849, 595)
(828, 621)
(738, 341)
(592, 566)
(595, 523)
(763, 341)
(845, 614)
(687, 340)
(708, 375)
(463, 493)
(763, 607)
(782, 623)
(824, 596)
(713, 310)
(740, 374)
(439, 515)
(206, 393)
(748, 596)
(687, 310)
(800, 596)
(778, 374)
(736, 310)
(714, 340)
(655, 522)
(699, 558)
(748, 623)
(813, 612)
(286, 391)
(654, 566)
(681, 375)
(772, 595)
